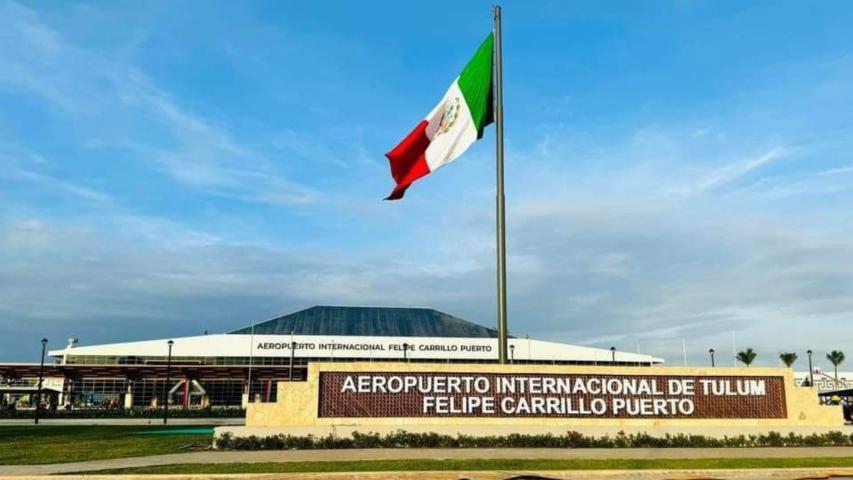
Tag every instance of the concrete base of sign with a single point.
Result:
(366, 397)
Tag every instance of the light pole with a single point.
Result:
(512, 354)
(290, 370)
(405, 352)
(166, 385)
(811, 370)
(41, 379)
(251, 361)
(613, 354)
(712, 352)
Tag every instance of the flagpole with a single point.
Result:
(501, 217)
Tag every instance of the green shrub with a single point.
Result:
(570, 439)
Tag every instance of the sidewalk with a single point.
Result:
(754, 474)
(427, 453)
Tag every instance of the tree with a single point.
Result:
(788, 358)
(747, 356)
(836, 358)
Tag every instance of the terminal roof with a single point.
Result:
(369, 321)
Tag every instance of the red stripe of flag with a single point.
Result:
(408, 160)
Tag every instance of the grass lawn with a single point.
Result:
(494, 464)
(27, 445)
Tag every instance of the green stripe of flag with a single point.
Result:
(475, 82)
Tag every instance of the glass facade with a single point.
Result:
(97, 392)
(285, 361)
(205, 388)
(114, 360)
(111, 393)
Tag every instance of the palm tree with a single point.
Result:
(836, 358)
(747, 356)
(788, 358)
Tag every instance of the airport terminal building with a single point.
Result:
(231, 369)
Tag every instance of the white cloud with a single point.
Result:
(620, 276)
(732, 172)
(831, 181)
(56, 184)
(113, 103)
(20, 165)
(621, 238)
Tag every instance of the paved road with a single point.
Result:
(754, 474)
(124, 421)
(426, 453)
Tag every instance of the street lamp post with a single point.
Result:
(41, 379)
(613, 354)
(811, 370)
(712, 352)
(166, 385)
(512, 354)
(290, 370)
(405, 352)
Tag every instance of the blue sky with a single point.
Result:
(674, 170)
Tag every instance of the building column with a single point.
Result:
(157, 393)
(60, 397)
(128, 396)
(244, 401)
(68, 388)
(186, 393)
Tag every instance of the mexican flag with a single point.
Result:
(451, 127)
